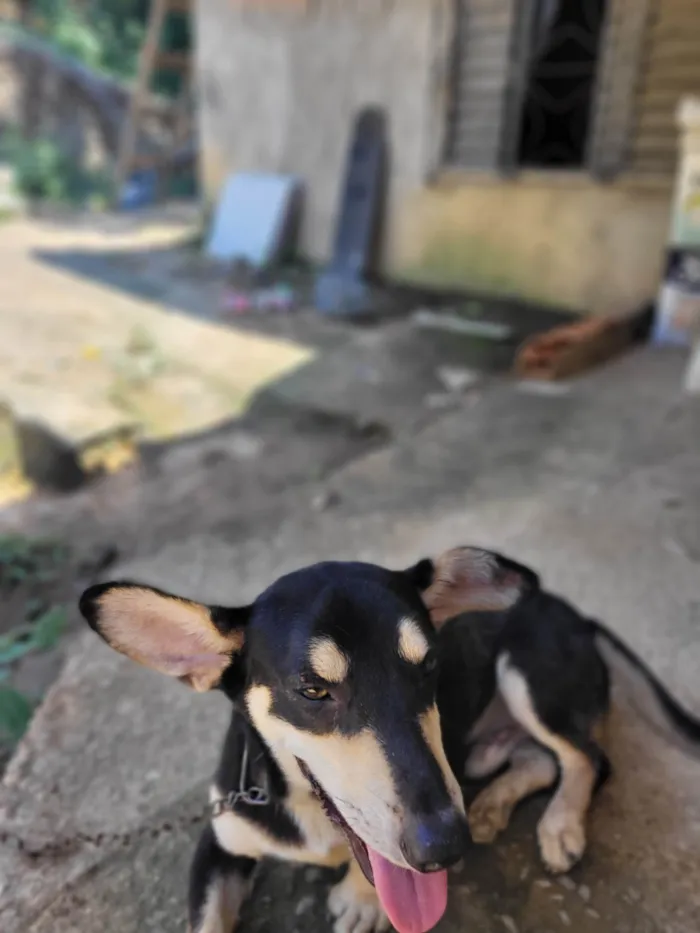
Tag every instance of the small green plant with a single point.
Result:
(74, 35)
(39, 635)
(108, 35)
(15, 713)
(22, 560)
(42, 171)
(30, 565)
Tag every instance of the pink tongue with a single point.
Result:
(413, 902)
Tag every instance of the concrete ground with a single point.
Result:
(596, 485)
(90, 361)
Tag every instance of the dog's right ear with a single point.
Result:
(187, 640)
(468, 579)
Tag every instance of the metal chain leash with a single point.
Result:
(250, 795)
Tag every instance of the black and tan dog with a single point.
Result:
(352, 716)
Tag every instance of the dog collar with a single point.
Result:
(251, 795)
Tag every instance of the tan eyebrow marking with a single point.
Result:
(327, 660)
(413, 645)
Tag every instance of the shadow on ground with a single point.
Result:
(181, 276)
(597, 487)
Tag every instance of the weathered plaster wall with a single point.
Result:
(568, 241)
(279, 88)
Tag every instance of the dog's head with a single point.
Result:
(336, 667)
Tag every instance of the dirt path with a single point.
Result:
(88, 359)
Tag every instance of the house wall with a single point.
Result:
(279, 87)
(279, 84)
(571, 242)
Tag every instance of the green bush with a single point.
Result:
(74, 35)
(43, 172)
(109, 34)
(31, 565)
(40, 170)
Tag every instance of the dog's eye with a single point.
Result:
(430, 664)
(314, 693)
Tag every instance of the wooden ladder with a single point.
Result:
(143, 103)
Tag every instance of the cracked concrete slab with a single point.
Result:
(596, 489)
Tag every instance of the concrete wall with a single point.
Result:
(279, 88)
(566, 241)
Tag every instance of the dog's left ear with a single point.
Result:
(468, 579)
(187, 640)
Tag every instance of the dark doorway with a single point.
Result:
(560, 79)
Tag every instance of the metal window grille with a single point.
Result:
(492, 49)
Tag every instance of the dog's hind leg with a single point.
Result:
(492, 740)
(582, 765)
(219, 883)
(488, 755)
(532, 769)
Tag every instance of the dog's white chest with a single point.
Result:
(323, 843)
(321, 836)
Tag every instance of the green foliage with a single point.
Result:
(48, 628)
(108, 35)
(23, 559)
(43, 633)
(43, 171)
(32, 564)
(40, 635)
(73, 35)
(15, 714)
(40, 170)
(121, 43)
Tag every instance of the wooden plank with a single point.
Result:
(483, 41)
(659, 99)
(674, 54)
(486, 124)
(655, 146)
(165, 159)
(678, 30)
(147, 59)
(172, 61)
(684, 79)
(657, 122)
(616, 92)
(672, 69)
(486, 85)
(477, 61)
(571, 349)
(152, 105)
(655, 171)
(671, 9)
(276, 6)
(496, 21)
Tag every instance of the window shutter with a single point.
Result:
(613, 119)
(483, 43)
(671, 69)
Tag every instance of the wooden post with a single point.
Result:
(147, 60)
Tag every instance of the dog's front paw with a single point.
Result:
(562, 839)
(489, 815)
(355, 905)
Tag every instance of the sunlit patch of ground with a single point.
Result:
(91, 361)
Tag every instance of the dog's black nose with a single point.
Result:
(436, 841)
